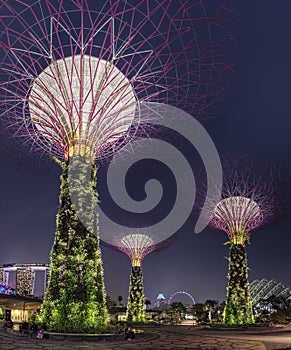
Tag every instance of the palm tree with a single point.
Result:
(211, 307)
(197, 311)
(119, 300)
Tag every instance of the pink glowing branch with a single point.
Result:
(164, 50)
(137, 246)
(252, 196)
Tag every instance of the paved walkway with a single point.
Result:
(164, 338)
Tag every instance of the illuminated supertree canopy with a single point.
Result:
(249, 200)
(71, 68)
(92, 101)
(136, 246)
(72, 77)
(237, 215)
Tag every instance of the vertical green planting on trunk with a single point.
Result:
(135, 304)
(238, 308)
(75, 297)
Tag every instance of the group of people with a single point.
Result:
(26, 329)
(7, 324)
(32, 331)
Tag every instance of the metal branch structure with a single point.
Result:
(237, 215)
(136, 246)
(69, 68)
(249, 200)
(73, 75)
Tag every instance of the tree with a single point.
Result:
(75, 297)
(119, 300)
(177, 310)
(210, 306)
(282, 308)
(147, 303)
(248, 199)
(197, 311)
(109, 302)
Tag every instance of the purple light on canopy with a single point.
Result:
(249, 198)
(136, 246)
(237, 215)
(68, 68)
(91, 99)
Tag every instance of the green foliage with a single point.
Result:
(135, 304)
(177, 311)
(75, 297)
(197, 311)
(2, 313)
(281, 308)
(238, 308)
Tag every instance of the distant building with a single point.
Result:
(18, 308)
(161, 301)
(264, 289)
(23, 277)
(4, 277)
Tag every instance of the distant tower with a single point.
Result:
(236, 215)
(247, 202)
(136, 246)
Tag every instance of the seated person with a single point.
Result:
(129, 333)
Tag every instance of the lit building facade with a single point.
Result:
(4, 277)
(25, 281)
(23, 277)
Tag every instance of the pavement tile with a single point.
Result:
(164, 338)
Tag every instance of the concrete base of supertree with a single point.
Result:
(238, 308)
(75, 297)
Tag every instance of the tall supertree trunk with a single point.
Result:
(135, 304)
(75, 298)
(238, 308)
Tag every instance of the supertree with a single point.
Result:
(249, 200)
(136, 246)
(73, 75)
(136, 242)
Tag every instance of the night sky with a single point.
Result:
(253, 119)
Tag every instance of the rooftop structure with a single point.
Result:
(264, 289)
(20, 279)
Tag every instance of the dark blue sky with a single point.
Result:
(254, 119)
